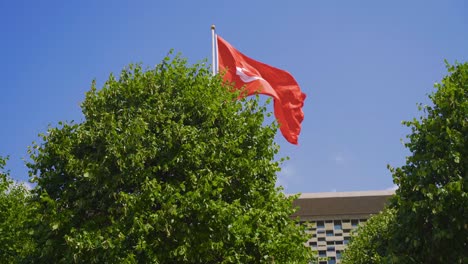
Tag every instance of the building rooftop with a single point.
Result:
(322, 205)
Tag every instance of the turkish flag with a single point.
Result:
(256, 77)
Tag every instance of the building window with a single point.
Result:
(338, 254)
(320, 224)
(332, 260)
(313, 244)
(322, 253)
(330, 249)
(338, 225)
(329, 232)
(330, 243)
(354, 223)
(346, 240)
(321, 239)
(338, 242)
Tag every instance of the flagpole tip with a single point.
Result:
(213, 27)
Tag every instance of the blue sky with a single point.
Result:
(364, 66)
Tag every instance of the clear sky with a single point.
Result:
(364, 66)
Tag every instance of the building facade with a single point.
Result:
(332, 217)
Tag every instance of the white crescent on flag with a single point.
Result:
(243, 75)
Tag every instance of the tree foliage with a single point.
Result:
(15, 240)
(432, 198)
(427, 222)
(167, 167)
(370, 242)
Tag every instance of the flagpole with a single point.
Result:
(213, 52)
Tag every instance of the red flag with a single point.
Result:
(261, 78)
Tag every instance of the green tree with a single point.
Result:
(432, 198)
(426, 222)
(369, 243)
(15, 240)
(167, 167)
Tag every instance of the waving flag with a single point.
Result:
(257, 77)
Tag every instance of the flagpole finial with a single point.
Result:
(213, 27)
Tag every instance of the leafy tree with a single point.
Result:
(432, 198)
(15, 241)
(427, 220)
(167, 167)
(369, 243)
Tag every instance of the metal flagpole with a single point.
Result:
(213, 49)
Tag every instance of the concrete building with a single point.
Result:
(333, 216)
